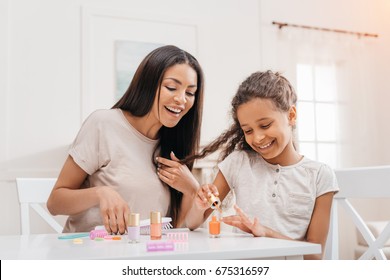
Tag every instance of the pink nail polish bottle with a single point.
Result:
(155, 225)
(133, 230)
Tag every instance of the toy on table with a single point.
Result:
(155, 225)
(154, 246)
(133, 229)
(177, 236)
(165, 225)
(74, 236)
(214, 227)
(145, 225)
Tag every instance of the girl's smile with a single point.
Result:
(266, 146)
(268, 130)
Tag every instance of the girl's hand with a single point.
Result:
(202, 197)
(243, 222)
(177, 175)
(113, 210)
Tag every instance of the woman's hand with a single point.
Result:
(176, 175)
(113, 210)
(243, 222)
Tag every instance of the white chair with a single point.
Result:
(33, 192)
(370, 183)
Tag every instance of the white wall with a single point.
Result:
(46, 45)
(42, 74)
(366, 116)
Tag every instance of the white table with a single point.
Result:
(199, 246)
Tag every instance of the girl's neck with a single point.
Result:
(289, 156)
(145, 125)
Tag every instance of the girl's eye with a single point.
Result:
(247, 131)
(266, 126)
(190, 93)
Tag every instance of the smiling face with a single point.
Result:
(268, 130)
(177, 94)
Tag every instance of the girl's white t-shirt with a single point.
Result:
(281, 197)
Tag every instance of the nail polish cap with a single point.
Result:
(134, 220)
(155, 217)
(214, 201)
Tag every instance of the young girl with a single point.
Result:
(288, 195)
(111, 168)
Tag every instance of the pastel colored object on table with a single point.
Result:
(160, 246)
(177, 236)
(97, 233)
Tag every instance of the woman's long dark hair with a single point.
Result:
(183, 139)
(266, 85)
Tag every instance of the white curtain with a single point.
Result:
(349, 56)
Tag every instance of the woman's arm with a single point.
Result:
(67, 198)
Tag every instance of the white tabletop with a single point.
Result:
(199, 246)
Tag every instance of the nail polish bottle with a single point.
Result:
(133, 229)
(155, 225)
(214, 227)
(215, 202)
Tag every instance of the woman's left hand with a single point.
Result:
(177, 175)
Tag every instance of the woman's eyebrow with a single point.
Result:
(179, 82)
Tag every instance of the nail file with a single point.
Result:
(73, 236)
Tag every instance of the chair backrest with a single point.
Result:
(367, 182)
(33, 192)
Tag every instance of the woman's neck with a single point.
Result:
(145, 125)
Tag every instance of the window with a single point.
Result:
(317, 112)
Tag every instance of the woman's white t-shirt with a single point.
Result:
(115, 154)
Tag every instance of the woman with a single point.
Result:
(111, 167)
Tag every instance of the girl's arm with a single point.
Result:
(319, 224)
(200, 209)
(67, 198)
(317, 231)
